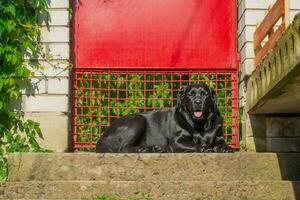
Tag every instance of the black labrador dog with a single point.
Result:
(194, 125)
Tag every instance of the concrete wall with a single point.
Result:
(50, 104)
(250, 13)
(256, 128)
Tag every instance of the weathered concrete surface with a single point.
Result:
(265, 133)
(283, 126)
(283, 133)
(251, 13)
(273, 97)
(162, 176)
(54, 126)
(274, 85)
(2, 189)
(254, 131)
(159, 167)
(190, 190)
(283, 144)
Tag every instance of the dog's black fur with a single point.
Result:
(194, 125)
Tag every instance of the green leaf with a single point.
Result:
(1, 83)
(10, 10)
(10, 25)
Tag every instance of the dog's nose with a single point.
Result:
(198, 101)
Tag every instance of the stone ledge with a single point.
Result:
(283, 144)
(288, 126)
(280, 63)
(160, 167)
(155, 189)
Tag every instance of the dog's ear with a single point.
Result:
(214, 98)
(180, 96)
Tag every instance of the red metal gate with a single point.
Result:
(135, 55)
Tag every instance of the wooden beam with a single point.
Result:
(280, 10)
(269, 45)
(275, 13)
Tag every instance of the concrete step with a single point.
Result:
(169, 190)
(154, 167)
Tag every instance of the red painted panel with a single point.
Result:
(156, 34)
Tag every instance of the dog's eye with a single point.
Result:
(191, 93)
(203, 93)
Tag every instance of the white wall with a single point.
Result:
(50, 105)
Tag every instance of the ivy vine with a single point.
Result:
(19, 40)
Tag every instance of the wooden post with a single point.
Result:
(280, 10)
(286, 16)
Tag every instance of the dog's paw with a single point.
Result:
(228, 149)
(144, 150)
(223, 149)
(205, 149)
(152, 149)
(208, 150)
(158, 149)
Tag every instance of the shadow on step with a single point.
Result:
(280, 134)
(289, 164)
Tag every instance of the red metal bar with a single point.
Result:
(164, 44)
(156, 34)
(93, 114)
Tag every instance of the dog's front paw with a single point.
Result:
(158, 149)
(223, 149)
(152, 149)
(228, 149)
(205, 149)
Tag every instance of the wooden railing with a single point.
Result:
(280, 10)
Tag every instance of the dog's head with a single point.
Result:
(198, 100)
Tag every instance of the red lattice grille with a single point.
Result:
(101, 96)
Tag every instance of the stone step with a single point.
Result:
(154, 167)
(155, 189)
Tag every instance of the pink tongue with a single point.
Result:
(198, 114)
